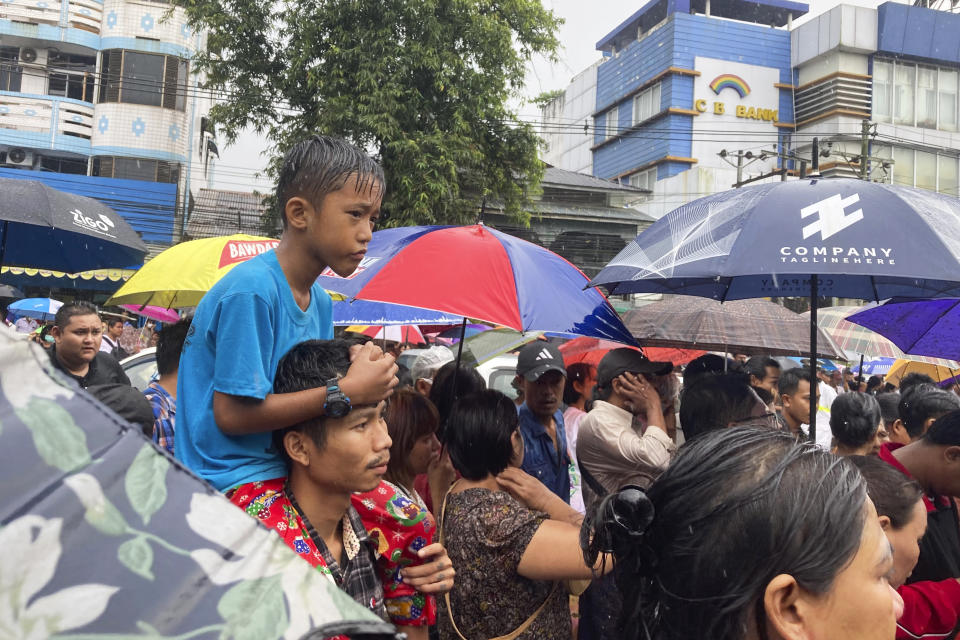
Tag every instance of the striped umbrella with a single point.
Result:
(857, 340)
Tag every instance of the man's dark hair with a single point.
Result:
(479, 433)
(757, 366)
(874, 383)
(924, 401)
(913, 379)
(169, 346)
(577, 372)
(319, 165)
(112, 321)
(790, 380)
(854, 418)
(707, 363)
(714, 401)
(889, 406)
(894, 494)
(309, 365)
(442, 392)
(945, 430)
(71, 309)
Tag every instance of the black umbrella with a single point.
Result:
(49, 229)
(7, 291)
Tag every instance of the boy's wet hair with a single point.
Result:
(319, 165)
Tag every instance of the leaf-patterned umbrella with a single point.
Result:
(105, 537)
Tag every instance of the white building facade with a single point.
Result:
(98, 97)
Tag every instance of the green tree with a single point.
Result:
(425, 85)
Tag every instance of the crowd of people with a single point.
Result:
(672, 503)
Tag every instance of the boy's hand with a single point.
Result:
(436, 573)
(371, 377)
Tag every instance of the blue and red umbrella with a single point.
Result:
(481, 273)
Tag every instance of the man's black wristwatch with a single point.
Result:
(337, 404)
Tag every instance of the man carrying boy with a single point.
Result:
(331, 460)
(329, 195)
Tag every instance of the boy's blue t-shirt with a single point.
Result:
(242, 328)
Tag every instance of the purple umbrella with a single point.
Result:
(917, 327)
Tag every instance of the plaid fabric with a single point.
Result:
(275, 507)
(164, 412)
(855, 339)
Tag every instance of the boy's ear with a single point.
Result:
(293, 442)
(296, 211)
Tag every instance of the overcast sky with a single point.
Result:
(586, 22)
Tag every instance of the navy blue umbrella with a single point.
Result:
(841, 237)
(49, 229)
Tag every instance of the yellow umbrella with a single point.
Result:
(180, 276)
(939, 371)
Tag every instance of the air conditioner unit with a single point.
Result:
(28, 55)
(19, 158)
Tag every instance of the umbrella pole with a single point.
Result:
(859, 377)
(3, 240)
(814, 397)
(456, 367)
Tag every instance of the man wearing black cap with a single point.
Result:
(612, 453)
(541, 374)
(609, 448)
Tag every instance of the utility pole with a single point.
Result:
(740, 165)
(864, 148)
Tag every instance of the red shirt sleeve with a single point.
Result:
(930, 610)
(399, 528)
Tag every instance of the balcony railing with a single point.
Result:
(69, 120)
(80, 14)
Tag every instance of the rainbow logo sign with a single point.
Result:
(730, 81)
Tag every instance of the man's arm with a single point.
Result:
(655, 446)
(370, 379)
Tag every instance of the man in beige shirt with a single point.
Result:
(609, 447)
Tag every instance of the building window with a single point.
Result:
(71, 76)
(948, 100)
(63, 165)
(144, 78)
(136, 169)
(644, 179)
(882, 88)
(646, 104)
(612, 122)
(904, 90)
(926, 97)
(10, 70)
(926, 170)
(917, 96)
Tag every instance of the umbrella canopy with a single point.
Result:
(180, 276)
(39, 308)
(743, 326)
(918, 327)
(840, 237)
(46, 228)
(592, 350)
(490, 344)
(481, 273)
(453, 333)
(159, 314)
(395, 333)
(8, 291)
(364, 312)
(876, 366)
(96, 521)
(767, 240)
(851, 338)
(939, 373)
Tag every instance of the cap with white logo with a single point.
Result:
(537, 358)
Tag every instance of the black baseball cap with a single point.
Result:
(538, 357)
(626, 360)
